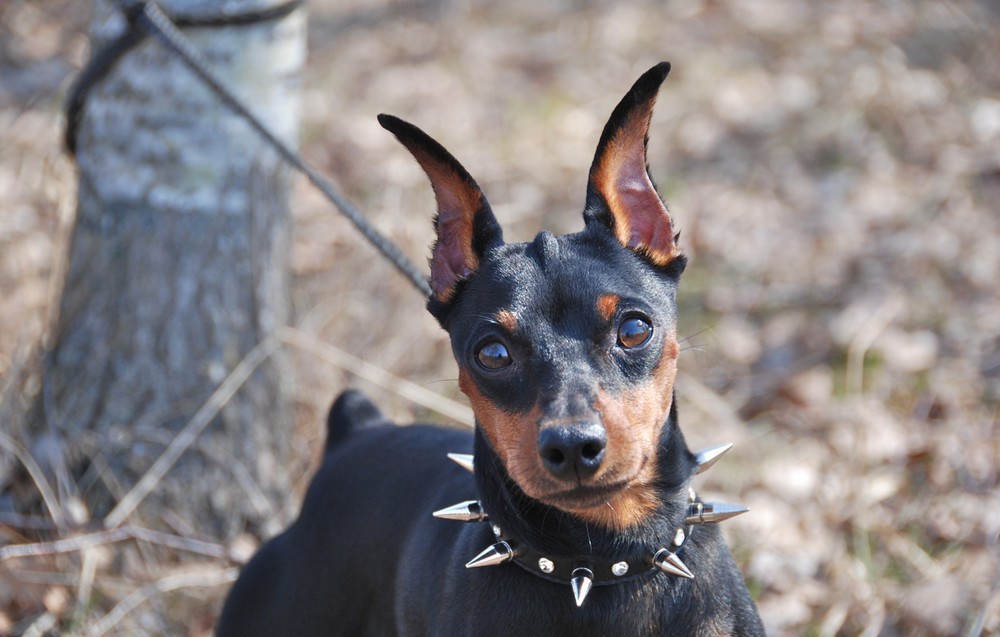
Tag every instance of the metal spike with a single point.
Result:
(712, 512)
(708, 457)
(493, 555)
(670, 564)
(464, 460)
(468, 511)
(583, 580)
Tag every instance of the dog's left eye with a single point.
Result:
(493, 356)
(633, 332)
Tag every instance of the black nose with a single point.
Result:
(572, 451)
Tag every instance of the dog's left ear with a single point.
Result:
(620, 193)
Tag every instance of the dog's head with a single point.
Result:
(566, 345)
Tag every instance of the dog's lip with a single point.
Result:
(587, 496)
(585, 492)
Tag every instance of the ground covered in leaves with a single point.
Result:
(834, 169)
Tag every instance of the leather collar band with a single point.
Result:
(601, 572)
(582, 573)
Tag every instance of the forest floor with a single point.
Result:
(834, 168)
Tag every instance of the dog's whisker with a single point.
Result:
(693, 348)
(440, 380)
(698, 333)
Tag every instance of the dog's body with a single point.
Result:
(567, 350)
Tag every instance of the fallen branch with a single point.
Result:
(166, 584)
(109, 536)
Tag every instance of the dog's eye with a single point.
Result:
(493, 356)
(633, 332)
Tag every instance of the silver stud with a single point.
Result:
(493, 555)
(670, 564)
(464, 460)
(708, 457)
(468, 511)
(619, 568)
(545, 565)
(679, 537)
(712, 512)
(497, 531)
(581, 583)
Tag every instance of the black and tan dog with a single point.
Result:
(581, 516)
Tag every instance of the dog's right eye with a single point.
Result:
(493, 356)
(634, 332)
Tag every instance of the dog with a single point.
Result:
(578, 517)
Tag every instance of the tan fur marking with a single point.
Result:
(632, 420)
(508, 320)
(514, 438)
(607, 305)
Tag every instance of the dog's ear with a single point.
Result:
(620, 193)
(465, 225)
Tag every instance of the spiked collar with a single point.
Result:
(584, 572)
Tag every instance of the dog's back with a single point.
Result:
(335, 571)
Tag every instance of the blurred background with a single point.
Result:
(834, 169)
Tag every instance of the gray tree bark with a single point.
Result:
(177, 270)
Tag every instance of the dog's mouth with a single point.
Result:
(585, 497)
(620, 499)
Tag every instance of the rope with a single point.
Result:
(105, 58)
(147, 18)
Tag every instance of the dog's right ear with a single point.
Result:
(465, 225)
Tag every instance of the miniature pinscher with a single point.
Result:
(579, 516)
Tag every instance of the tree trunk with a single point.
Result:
(177, 270)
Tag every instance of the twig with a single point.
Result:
(865, 338)
(223, 457)
(36, 473)
(56, 456)
(164, 585)
(906, 549)
(41, 626)
(992, 600)
(88, 570)
(376, 375)
(90, 540)
(191, 431)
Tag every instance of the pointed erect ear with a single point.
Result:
(465, 225)
(621, 195)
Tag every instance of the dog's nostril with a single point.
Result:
(591, 451)
(555, 457)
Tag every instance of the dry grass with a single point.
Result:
(835, 171)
